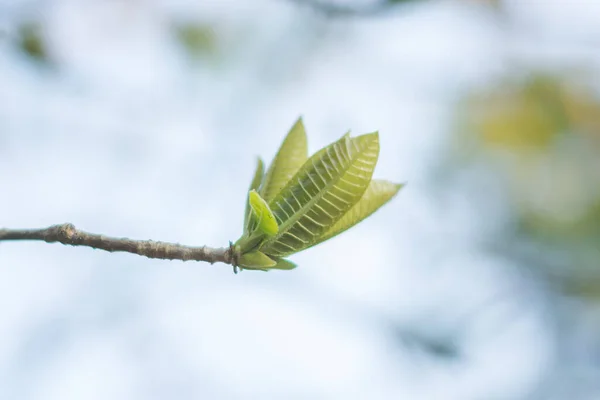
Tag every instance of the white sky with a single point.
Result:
(128, 139)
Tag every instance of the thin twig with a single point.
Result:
(68, 234)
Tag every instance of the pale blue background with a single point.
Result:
(130, 138)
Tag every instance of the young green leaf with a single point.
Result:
(292, 154)
(377, 194)
(284, 265)
(254, 185)
(328, 185)
(266, 220)
(256, 260)
(258, 174)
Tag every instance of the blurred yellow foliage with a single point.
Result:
(530, 114)
(541, 133)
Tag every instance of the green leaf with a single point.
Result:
(284, 265)
(256, 260)
(258, 174)
(377, 194)
(292, 154)
(256, 181)
(266, 220)
(328, 185)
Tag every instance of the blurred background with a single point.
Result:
(143, 118)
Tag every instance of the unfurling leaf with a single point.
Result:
(265, 219)
(254, 185)
(291, 156)
(256, 260)
(258, 174)
(377, 194)
(324, 189)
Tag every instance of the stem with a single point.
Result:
(69, 235)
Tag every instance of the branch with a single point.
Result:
(333, 10)
(68, 234)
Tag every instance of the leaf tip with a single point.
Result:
(366, 136)
(284, 264)
(266, 220)
(373, 135)
(398, 186)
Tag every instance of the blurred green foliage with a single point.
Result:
(197, 39)
(540, 133)
(30, 41)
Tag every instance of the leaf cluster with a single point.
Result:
(302, 201)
